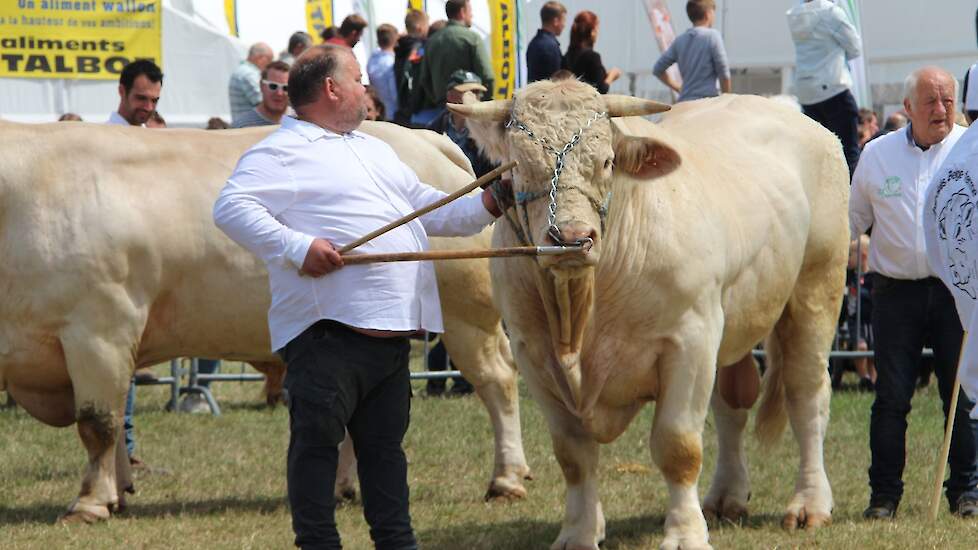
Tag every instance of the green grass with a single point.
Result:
(227, 487)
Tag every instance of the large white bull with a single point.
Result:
(111, 262)
(725, 225)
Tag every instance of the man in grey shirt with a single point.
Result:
(701, 56)
(274, 98)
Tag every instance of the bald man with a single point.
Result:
(910, 305)
(244, 88)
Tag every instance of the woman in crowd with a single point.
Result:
(581, 59)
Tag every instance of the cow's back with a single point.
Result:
(761, 193)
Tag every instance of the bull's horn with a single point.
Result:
(623, 105)
(486, 111)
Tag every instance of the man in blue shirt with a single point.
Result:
(543, 52)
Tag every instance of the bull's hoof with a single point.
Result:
(570, 545)
(802, 519)
(669, 544)
(84, 513)
(345, 496)
(725, 512)
(502, 489)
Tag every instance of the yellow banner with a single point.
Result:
(231, 13)
(503, 14)
(415, 5)
(78, 39)
(319, 15)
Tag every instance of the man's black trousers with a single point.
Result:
(340, 379)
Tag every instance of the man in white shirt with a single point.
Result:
(909, 303)
(140, 84)
(314, 183)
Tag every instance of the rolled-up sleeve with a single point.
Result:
(261, 188)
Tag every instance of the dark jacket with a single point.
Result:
(480, 164)
(408, 53)
(586, 64)
(542, 56)
(450, 49)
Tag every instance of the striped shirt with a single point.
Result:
(244, 89)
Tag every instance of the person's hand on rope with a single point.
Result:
(498, 196)
(321, 259)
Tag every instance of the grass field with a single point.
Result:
(227, 486)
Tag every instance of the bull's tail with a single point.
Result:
(771, 413)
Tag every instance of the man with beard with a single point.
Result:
(313, 183)
(139, 91)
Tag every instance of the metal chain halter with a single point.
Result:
(559, 154)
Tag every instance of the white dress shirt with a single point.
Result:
(116, 118)
(302, 182)
(889, 189)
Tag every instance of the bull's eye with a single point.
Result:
(607, 163)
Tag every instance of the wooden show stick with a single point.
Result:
(935, 502)
(355, 259)
(417, 213)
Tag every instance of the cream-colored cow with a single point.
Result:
(726, 224)
(111, 262)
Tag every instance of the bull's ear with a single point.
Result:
(644, 157)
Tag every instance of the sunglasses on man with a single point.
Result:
(274, 86)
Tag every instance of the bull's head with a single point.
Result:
(538, 128)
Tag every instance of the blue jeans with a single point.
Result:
(905, 313)
(127, 418)
(339, 379)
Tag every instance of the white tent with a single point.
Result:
(198, 57)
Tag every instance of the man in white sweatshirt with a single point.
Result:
(825, 40)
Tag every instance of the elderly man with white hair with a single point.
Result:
(910, 304)
(244, 87)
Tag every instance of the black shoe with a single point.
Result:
(461, 386)
(880, 509)
(965, 507)
(435, 390)
(866, 385)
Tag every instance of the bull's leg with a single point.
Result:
(274, 372)
(583, 527)
(345, 488)
(730, 488)
(100, 373)
(686, 374)
(804, 335)
(485, 361)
